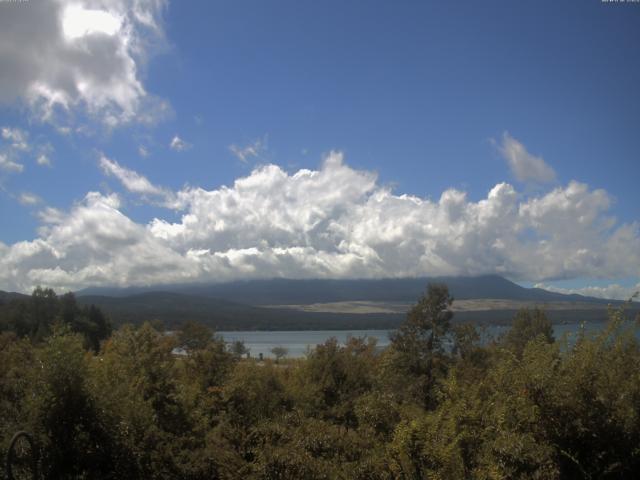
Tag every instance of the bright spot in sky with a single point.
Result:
(79, 22)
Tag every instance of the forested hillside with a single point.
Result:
(523, 406)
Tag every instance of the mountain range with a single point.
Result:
(309, 291)
(319, 304)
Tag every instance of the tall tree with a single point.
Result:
(418, 344)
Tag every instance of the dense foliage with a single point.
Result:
(35, 317)
(437, 404)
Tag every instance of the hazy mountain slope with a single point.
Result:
(237, 305)
(6, 297)
(174, 308)
(285, 291)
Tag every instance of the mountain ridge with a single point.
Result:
(281, 291)
(286, 304)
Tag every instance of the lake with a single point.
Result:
(298, 342)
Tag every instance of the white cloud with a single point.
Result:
(43, 155)
(17, 138)
(525, 166)
(178, 144)
(143, 151)
(16, 144)
(50, 216)
(252, 150)
(69, 56)
(9, 165)
(78, 22)
(334, 222)
(92, 244)
(27, 198)
(131, 180)
(43, 160)
(613, 291)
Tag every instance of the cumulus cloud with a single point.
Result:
(131, 180)
(94, 243)
(252, 150)
(334, 222)
(613, 291)
(525, 166)
(80, 55)
(178, 144)
(50, 215)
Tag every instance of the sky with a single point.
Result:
(145, 142)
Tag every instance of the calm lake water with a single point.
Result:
(299, 342)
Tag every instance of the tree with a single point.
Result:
(427, 323)
(238, 348)
(333, 377)
(36, 316)
(41, 313)
(527, 325)
(418, 349)
(194, 335)
(253, 393)
(210, 366)
(65, 417)
(99, 326)
(279, 352)
(88, 320)
(138, 385)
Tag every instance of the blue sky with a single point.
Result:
(428, 96)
